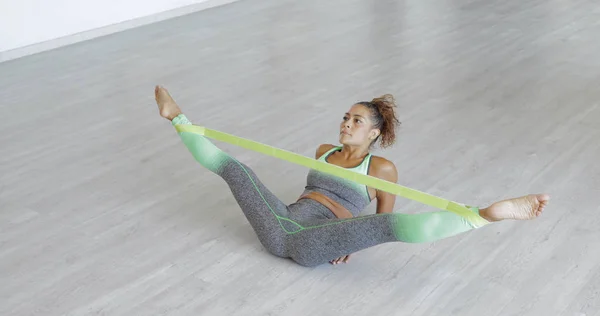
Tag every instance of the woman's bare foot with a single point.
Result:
(526, 207)
(166, 105)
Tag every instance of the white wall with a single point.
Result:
(28, 22)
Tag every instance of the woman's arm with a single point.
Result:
(386, 170)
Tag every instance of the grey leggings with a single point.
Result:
(306, 231)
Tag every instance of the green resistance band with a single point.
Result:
(338, 171)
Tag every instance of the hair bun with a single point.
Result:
(386, 105)
(385, 101)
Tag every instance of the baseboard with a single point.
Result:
(109, 29)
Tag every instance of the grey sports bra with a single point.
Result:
(351, 195)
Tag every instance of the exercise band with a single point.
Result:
(338, 171)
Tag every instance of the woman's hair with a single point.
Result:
(384, 118)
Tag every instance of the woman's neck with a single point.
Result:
(354, 152)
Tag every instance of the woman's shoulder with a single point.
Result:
(383, 168)
(322, 149)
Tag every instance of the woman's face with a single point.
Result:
(356, 128)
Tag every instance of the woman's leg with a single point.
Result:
(267, 215)
(324, 241)
(265, 212)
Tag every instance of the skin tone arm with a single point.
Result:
(385, 170)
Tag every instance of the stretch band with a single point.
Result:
(338, 171)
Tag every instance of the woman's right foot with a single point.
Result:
(166, 105)
(526, 207)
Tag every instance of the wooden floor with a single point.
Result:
(104, 212)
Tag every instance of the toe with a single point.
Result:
(543, 197)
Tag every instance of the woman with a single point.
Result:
(323, 225)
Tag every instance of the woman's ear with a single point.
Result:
(374, 134)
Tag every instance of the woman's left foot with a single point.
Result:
(166, 105)
(526, 207)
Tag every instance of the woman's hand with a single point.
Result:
(343, 259)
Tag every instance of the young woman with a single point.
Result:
(324, 224)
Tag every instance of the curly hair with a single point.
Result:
(384, 118)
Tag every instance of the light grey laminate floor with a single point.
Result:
(104, 212)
